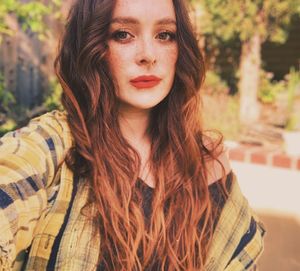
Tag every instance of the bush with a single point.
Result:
(53, 101)
(214, 85)
(269, 89)
(293, 94)
(7, 99)
(221, 112)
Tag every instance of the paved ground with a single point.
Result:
(282, 244)
(270, 189)
(274, 194)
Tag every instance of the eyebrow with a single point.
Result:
(133, 21)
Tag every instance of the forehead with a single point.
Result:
(144, 10)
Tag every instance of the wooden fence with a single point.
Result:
(27, 63)
(24, 62)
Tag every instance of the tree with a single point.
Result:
(30, 15)
(253, 22)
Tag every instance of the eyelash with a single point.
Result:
(172, 36)
(116, 36)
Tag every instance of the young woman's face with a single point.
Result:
(142, 51)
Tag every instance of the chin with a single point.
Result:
(150, 104)
(143, 104)
(147, 106)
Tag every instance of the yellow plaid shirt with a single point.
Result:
(42, 227)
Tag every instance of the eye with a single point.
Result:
(166, 36)
(121, 35)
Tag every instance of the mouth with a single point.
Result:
(145, 81)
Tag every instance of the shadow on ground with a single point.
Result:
(282, 243)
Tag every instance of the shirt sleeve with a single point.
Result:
(249, 248)
(29, 160)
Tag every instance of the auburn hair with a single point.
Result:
(183, 213)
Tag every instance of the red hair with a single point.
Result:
(183, 213)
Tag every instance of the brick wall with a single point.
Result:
(273, 156)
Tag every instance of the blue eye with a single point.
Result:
(124, 36)
(121, 35)
(167, 36)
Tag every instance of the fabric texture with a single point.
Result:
(43, 227)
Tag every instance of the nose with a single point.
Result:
(145, 54)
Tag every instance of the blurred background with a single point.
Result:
(251, 94)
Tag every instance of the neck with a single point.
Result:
(134, 124)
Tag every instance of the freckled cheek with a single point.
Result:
(169, 57)
(118, 60)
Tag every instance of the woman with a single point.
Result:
(124, 178)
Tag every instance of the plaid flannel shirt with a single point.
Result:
(42, 227)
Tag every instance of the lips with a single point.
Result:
(145, 81)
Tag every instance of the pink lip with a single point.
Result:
(145, 81)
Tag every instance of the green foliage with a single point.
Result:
(7, 126)
(6, 101)
(221, 112)
(53, 101)
(285, 95)
(224, 20)
(6, 6)
(268, 88)
(6, 97)
(30, 14)
(293, 92)
(214, 84)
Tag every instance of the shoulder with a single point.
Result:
(51, 126)
(47, 137)
(56, 120)
(37, 149)
(219, 166)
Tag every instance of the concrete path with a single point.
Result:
(270, 189)
(275, 194)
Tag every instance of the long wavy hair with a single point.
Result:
(183, 213)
